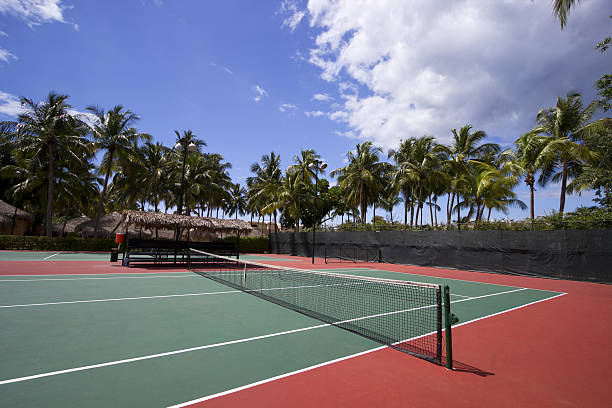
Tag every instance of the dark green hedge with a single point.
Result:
(254, 245)
(56, 243)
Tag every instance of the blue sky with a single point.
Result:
(250, 77)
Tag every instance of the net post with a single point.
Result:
(439, 325)
(448, 322)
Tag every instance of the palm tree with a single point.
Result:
(184, 144)
(289, 197)
(400, 179)
(237, 202)
(265, 185)
(46, 131)
(157, 165)
(305, 174)
(114, 133)
(464, 147)
(528, 149)
(566, 124)
(363, 177)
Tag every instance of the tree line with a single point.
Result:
(48, 167)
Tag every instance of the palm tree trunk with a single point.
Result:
(489, 216)
(405, 210)
(361, 203)
(49, 216)
(275, 224)
(563, 187)
(103, 195)
(450, 208)
(421, 214)
(297, 221)
(436, 212)
(431, 211)
(531, 203)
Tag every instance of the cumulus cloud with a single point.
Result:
(9, 104)
(292, 14)
(287, 107)
(34, 12)
(259, 93)
(5, 55)
(314, 114)
(406, 68)
(322, 97)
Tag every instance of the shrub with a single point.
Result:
(56, 243)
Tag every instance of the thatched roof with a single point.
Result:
(7, 212)
(71, 224)
(171, 221)
(109, 225)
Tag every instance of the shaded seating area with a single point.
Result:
(163, 251)
(160, 252)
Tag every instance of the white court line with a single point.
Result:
(454, 294)
(454, 279)
(101, 274)
(278, 377)
(169, 353)
(116, 277)
(119, 299)
(50, 256)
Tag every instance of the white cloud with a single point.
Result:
(287, 107)
(34, 12)
(226, 69)
(5, 55)
(314, 114)
(260, 93)
(322, 97)
(9, 104)
(407, 68)
(293, 16)
(86, 117)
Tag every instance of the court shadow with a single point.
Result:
(466, 368)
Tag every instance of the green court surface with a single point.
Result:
(96, 256)
(155, 340)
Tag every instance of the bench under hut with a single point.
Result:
(158, 251)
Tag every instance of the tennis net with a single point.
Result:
(404, 315)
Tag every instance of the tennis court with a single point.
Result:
(173, 338)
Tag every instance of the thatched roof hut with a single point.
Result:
(23, 219)
(71, 225)
(109, 225)
(171, 221)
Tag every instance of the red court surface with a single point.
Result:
(549, 354)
